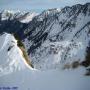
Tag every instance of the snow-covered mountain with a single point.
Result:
(11, 56)
(23, 17)
(54, 38)
(58, 37)
(16, 74)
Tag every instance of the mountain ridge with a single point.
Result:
(46, 34)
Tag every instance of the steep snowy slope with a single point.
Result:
(11, 57)
(27, 17)
(58, 37)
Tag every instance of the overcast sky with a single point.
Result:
(38, 5)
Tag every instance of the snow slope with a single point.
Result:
(46, 80)
(11, 58)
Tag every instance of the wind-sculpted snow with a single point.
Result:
(11, 58)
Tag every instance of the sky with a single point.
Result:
(37, 5)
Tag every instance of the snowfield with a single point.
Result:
(47, 80)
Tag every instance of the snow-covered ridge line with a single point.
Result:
(23, 17)
(11, 56)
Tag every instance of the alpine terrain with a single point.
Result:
(46, 51)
